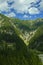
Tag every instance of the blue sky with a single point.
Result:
(23, 9)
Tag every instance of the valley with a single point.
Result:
(21, 41)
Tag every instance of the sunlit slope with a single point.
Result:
(9, 33)
(13, 50)
(28, 25)
(36, 42)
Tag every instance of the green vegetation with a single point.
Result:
(28, 25)
(36, 42)
(13, 50)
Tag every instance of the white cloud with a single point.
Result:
(21, 6)
(41, 5)
(4, 7)
(2, 1)
(25, 16)
(12, 14)
(34, 10)
(21, 1)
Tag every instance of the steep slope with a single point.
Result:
(9, 32)
(36, 42)
(13, 50)
(27, 27)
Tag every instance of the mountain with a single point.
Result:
(36, 42)
(13, 50)
(28, 27)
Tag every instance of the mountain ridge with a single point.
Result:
(13, 50)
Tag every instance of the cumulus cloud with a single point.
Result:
(22, 6)
(25, 16)
(41, 5)
(34, 10)
(2, 1)
(12, 14)
(4, 7)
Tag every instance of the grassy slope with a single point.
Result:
(28, 25)
(36, 42)
(17, 53)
